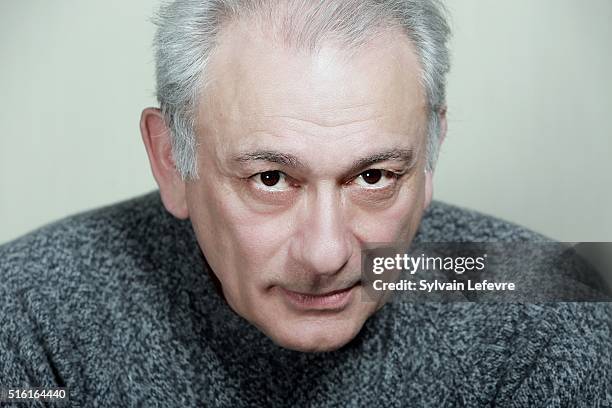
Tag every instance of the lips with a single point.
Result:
(333, 300)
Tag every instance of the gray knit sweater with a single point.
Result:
(116, 305)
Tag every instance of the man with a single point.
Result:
(290, 134)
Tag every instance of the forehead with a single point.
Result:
(254, 82)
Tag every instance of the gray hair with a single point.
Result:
(187, 36)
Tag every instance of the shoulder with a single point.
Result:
(72, 293)
(444, 222)
(527, 354)
(567, 357)
(104, 238)
(93, 263)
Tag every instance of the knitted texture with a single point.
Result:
(116, 305)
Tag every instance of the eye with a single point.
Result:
(375, 178)
(271, 180)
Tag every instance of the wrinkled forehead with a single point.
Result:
(253, 76)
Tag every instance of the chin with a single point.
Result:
(316, 334)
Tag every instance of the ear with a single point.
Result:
(429, 173)
(156, 138)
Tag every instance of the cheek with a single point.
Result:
(398, 222)
(260, 239)
(237, 243)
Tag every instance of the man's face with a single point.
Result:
(303, 158)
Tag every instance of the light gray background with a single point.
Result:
(530, 97)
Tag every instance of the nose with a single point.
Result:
(324, 245)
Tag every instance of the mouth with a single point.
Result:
(330, 301)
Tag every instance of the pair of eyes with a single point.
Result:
(276, 180)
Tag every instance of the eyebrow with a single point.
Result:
(404, 155)
(271, 156)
